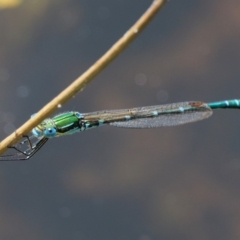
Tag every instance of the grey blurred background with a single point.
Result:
(122, 184)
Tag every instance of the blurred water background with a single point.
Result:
(111, 183)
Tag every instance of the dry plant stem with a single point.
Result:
(86, 77)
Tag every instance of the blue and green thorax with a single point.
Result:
(64, 124)
(61, 124)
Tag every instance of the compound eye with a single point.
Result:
(36, 132)
(50, 132)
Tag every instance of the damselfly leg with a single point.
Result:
(23, 150)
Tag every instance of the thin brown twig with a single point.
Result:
(86, 77)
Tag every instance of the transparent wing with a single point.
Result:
(156, 116)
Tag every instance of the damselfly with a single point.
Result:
(143, 117)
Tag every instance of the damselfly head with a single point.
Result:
(46, 128)
(50, 132)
